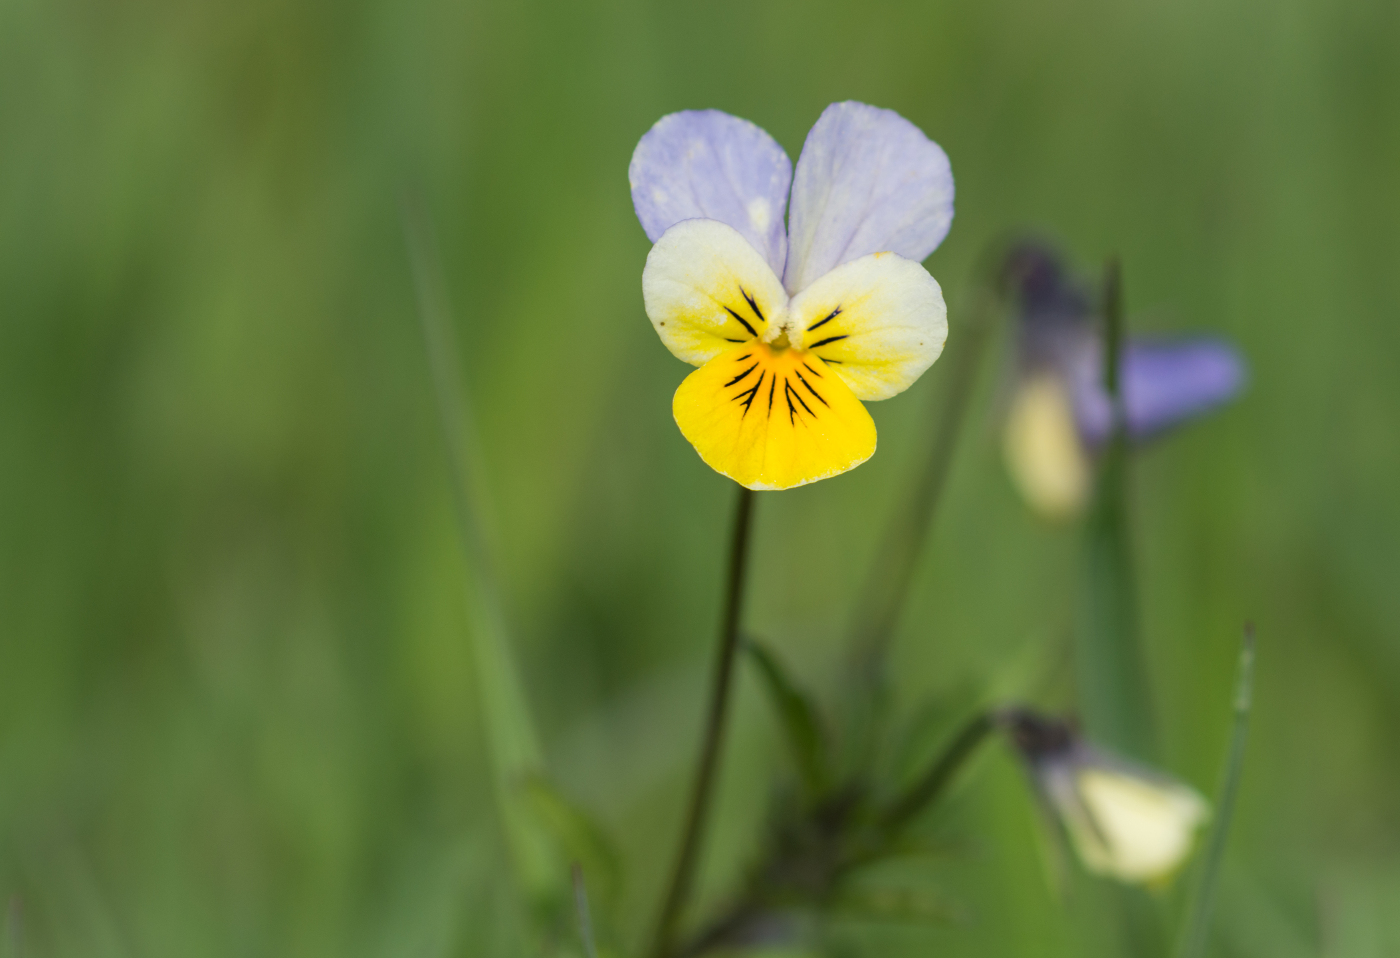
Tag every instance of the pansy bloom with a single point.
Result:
(1060, 412)
(792, 324)
(1125, 821)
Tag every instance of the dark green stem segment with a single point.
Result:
(1112, 678)
(931, 785)
(688, 857)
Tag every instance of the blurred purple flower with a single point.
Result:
(1165, 381)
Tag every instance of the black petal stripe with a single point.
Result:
(752, 305)
(832, 362)
(792, 410)
(834, 313)
(787, 386)
(809, 369)
(746, 397)
(771, 386)
(829, 339)
(728, 340)
(741, 320)
(742, 375)
(811, 390)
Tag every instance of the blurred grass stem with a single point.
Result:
(673, 906)
(1113, 689)
(585, 916)
(515, 751)
(887, 585)
(1196, 929)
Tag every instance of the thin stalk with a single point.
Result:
(1197, 927)
(940, 773)
(1114, 695)
(697, 814)
(887, 586)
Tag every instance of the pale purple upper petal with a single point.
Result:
(705, 164)
(868, 181)
(1165, 382)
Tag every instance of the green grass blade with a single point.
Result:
(1112, 679)
(1196, 929)
(516, 757)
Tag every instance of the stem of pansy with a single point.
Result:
(696, 815)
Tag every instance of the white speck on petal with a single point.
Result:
(760, 214)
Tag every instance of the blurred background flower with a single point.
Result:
(1061, 412)
(1131, 823)
(236, 707)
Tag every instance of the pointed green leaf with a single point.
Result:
(802, 726)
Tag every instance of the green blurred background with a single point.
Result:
(237, 706)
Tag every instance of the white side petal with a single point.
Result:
(879, 322)
(706, 289)
(868, 181)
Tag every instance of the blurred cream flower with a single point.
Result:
(1127, 822)
(1042, 448)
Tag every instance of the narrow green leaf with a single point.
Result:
(802, 725)
(515, 753)
(1196, 929)
(1109, 670)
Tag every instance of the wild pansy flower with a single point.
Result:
(792, 326)
(1125, 821)
(1060, 413)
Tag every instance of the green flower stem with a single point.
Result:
(688, 857)
(1196, 931)
(929, 787)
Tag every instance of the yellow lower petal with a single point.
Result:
(773, 418)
